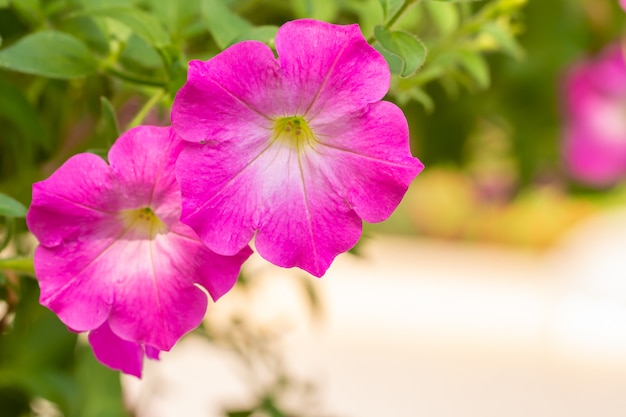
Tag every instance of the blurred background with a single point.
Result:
(497, 288)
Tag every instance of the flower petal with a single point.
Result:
(329, 70)
(61, 213)
(116, 353)
(216, 105)
(300, 219)
(367, 159)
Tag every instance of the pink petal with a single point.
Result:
(117, 353)
(367, 159)
(328, 70)
(300, 221)
(237, 103)
(593, 159)
(59, 212)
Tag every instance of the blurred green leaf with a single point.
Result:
(21, 265)
(145, 25)
(240, 413)
(390, 7)
(10, 207)
(423, 98)
(49, 54)
(505, 40)
(139, 56)
(265, 34)
(223, 24)
(455, 1)
(444, 16)
(29, 10)
(93, 4)
(15, 108)
(408, 48)
(109, 119)
(100, 391)
(4, 3)
(476, 66)
(37, 351)
(316, 9)
(88, 30)
(176, 15)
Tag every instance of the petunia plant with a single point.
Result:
(280, 128)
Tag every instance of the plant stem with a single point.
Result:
(394, 18)
(143, 112)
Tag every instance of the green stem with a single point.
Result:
(19, 265)
(394, 18)
(143, 112)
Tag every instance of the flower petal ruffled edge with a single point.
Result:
(119, 354)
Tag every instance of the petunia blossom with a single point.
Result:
(595, 124)
(295, 150)
(115, 260)
(623, 4)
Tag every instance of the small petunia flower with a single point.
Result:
(295, 150)
(595, 124)
(115, 260)
(623, 4)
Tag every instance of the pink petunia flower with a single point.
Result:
(623, 4)
(297, 149)
(114, 258)
(595, 129)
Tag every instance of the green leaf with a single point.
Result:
(144, 25)
(423, 98)
(4, 3)
(177, 16)
(223, 24)
(110, 125)
(390, 7)
(403, 45)
(15, 108)
(505, 40)
(49, 54)
(476, 66)
(265, 34)
(10, 207)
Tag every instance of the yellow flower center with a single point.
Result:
(293, 131)
(143, 222)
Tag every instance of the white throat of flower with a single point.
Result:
(294, 132)
(143, 222)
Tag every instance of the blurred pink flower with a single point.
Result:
(115, 260)
(595, 130)
(297, 149)
(623, 4)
